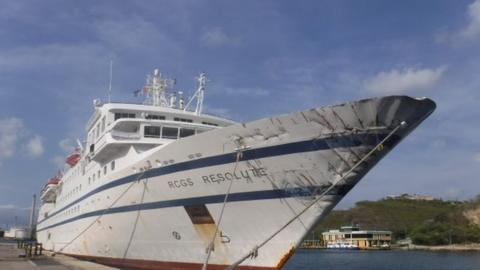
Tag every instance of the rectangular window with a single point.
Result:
(169, 133)
(112, 165)
(104, 170)
(155, 117)
(182, 120)
(210, 124)
(124, 115)
(199, 214)
(151, 132)
(185, 132)
(98, 174)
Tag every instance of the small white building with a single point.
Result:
(352, 236)
(17, 233)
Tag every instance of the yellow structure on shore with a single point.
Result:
(351, 237)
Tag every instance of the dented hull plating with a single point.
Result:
(167, 214)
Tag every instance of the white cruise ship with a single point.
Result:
(162, 185)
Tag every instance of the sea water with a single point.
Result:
(313, 259)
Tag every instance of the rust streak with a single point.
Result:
(306, 119)
(285, 258)
(328, 123)
(341, 120)
(356, 115)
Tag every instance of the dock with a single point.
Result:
(12, 257)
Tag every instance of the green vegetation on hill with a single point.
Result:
(434, 222)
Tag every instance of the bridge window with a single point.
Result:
(155, 117)
(151, 132)
(182, 120)
(210, 124)
(124, 115)
(169, 133)
(185, 132)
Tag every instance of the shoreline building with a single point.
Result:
(352, 236)
(413, 197)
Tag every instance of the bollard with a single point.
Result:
(29, 246)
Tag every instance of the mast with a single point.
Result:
(32, 217)
(155, 89)
(202, 82)
(199, 94)
(110, 82)
(156, 92)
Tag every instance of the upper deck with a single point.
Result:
(162, 118)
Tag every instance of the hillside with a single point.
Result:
(434, 222)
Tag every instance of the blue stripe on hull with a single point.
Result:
(234, 197)
(342, 141)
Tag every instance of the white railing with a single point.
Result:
(125, 135)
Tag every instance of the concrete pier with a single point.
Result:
(14, 258)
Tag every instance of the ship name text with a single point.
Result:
(247, 174)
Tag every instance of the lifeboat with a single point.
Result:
(73, 158)
(49, 193)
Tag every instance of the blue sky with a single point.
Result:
(262, 57)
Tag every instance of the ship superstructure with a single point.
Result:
(161, 186)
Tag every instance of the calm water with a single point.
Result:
(388, 260)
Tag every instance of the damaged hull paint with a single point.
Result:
(285, 162)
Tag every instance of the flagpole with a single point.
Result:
(110, 82)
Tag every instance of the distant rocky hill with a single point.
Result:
(426, 222)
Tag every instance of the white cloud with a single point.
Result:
(10, 131)
(469, 32)
(133, 33)
(58, 161)
(476, 157)
(400, 81)
(9, 211)
(34, 147)
(7, 206)
(66, 145)
(51, 56)
(255, 91)
(216, 36)
(473, 28)
(14, 133)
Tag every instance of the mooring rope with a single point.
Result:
(254, 251)
(136, 219)
(211, 245)
(100, 216)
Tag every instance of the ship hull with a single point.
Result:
(163, 211)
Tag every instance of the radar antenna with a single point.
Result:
(155, 89)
